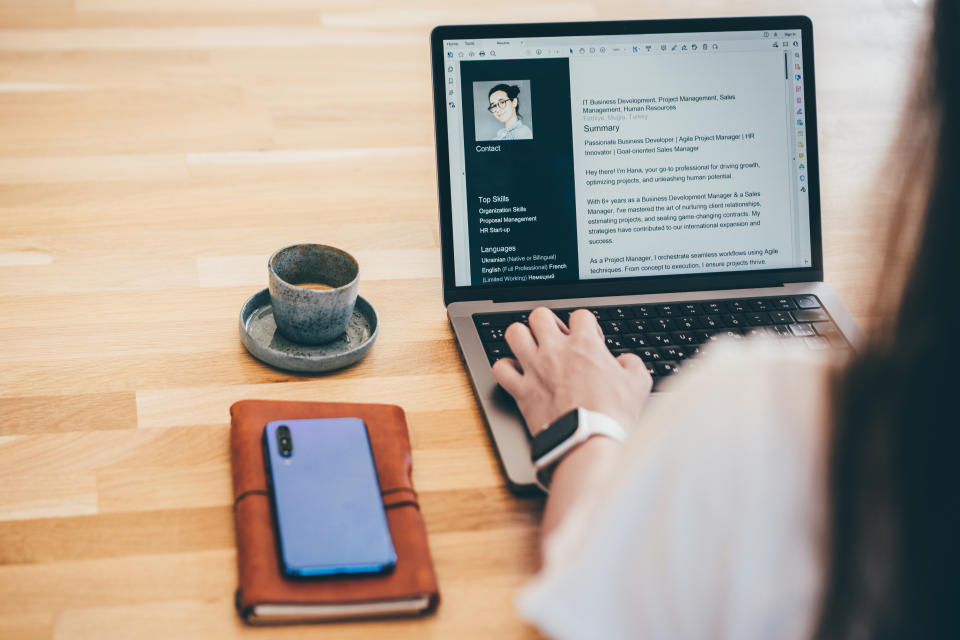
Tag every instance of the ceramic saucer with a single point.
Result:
(258, 332)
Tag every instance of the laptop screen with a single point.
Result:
(577, 158)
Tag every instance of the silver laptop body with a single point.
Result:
(614, 164)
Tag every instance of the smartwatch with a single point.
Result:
(565, 434)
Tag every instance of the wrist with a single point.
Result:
(596, 448)
(580, 476)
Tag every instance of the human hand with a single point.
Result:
(558, 369)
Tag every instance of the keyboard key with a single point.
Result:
(761, 304)
(660, 339)
(783, 304)
(811, 315)
(781, 317)
(497, 350)
(736, 306)
(649, 354)
(662, 324)
(619, 313)
(757, 319)
(669, 310)
(690, 309)
(613, 342)
(734, 320)
(644, 311)
(806, 302)
(687, 322)
(683, 337)
(488, 320)
(666, 367)
(612, 326)
(675, 353)
(702, 336)
(634, 340)
(802, 330)
(782, 330)
(714, 308)
(493, 334)
(640, 326)
(712, 322)
(650, 368)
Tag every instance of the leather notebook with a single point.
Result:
(265, 594)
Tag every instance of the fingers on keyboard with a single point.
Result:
(668, 336)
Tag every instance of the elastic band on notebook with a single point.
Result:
(262, 492)
(395, 489)
(395, 497)
(389, 501)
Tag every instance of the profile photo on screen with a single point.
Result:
(503, 110)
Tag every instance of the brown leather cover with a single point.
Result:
(261, 579)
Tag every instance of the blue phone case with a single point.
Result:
(326, 497)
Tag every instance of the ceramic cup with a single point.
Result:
(310, 315)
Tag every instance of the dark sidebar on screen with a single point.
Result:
(520, 193)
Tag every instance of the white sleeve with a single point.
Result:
(711, 525)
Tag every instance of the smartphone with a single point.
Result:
(327, 504)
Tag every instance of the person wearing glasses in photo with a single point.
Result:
(505, 107)
(772, 494)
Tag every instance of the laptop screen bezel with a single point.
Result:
(641, 284)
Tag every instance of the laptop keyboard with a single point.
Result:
(668, 336)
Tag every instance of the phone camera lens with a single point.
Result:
(284, 441)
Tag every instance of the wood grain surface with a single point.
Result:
(153, 153)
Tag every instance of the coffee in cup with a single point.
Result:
(318, 286)
(313, 289)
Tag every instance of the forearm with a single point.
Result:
(577, 477)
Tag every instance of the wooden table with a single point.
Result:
(153, 153)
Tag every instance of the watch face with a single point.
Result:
(551, 437)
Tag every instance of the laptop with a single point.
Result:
(661, 173)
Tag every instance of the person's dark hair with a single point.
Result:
(512, 92)
(894, 542)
